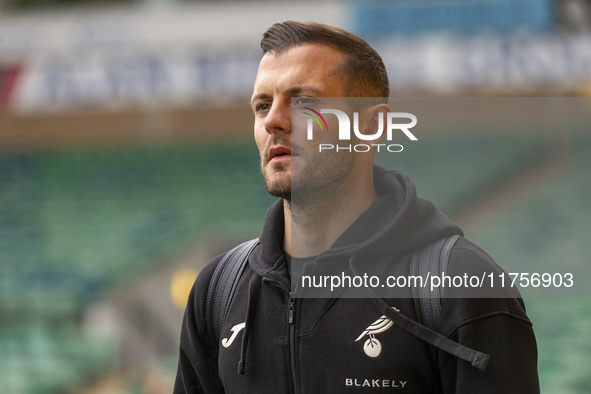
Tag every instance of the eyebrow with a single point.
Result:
(301, 89)
(289, 92)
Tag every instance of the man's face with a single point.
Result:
(305, 73)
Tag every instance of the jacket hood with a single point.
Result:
(396, 223)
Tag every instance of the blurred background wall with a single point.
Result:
(126, 163)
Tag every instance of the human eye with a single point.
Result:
(262, 107)
(303, 101)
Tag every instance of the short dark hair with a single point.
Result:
(363, 71)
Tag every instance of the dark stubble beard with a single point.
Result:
(281, 189)
(319, 178)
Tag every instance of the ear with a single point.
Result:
(371, 116)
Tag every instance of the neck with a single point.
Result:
(312, 227)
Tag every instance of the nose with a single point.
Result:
(278, 119)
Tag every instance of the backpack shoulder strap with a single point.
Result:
(222, 287)
(431, 260)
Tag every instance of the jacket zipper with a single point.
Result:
(292, 336)
(292, 353)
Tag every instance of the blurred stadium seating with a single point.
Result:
(75, 223)
(551, 227)
(472, 162)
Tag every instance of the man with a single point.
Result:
(336, 209)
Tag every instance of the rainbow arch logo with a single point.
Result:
(316, 115)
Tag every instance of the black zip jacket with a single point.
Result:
(272, 342)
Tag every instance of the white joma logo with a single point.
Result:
(236, 329)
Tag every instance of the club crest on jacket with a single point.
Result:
(372, 346)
